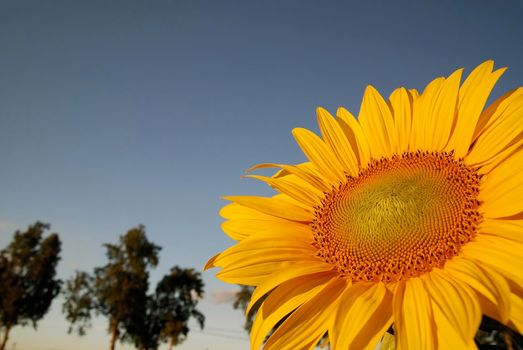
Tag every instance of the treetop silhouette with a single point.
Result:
(119, 291)
(27, 274)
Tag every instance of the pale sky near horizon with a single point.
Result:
(118, 113)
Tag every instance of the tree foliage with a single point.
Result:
(116, 290)
(168, 310)
(27, 274)
(175, 299)
(121, 285)
(79, 302)
(119, 291)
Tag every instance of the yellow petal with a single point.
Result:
(243, 228)
(288, 199)
(252, 275)
(364, 314)
(414, 94)
(315, 192)
(499, 158)
(515, 249)
(485, 281)
(310, 269)
(315, 343)
(502, 255)
(413, 319)
(449, 338)
(444, 111)
(501, 191)
(237, 211)
(377, 124)
(235, 230)
(504, 128)
(273, 206)
(508, 229)
(210, 262)
(319, 154)
(400, 102)
(337, 141)
(315, 181)
(255, 250)
(493, 112)
(423, 119)
(472, 98)
(302, 193)
(354, 133)
(454, 305)
(282, 301)
(516, 316)
(309, 321)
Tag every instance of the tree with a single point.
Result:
(175, 300)
(121, 285)
(27, 278)
(119, 291)
(168, 311)
(80, 302)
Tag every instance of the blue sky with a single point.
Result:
(116, 113)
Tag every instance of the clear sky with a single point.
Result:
(116, 113)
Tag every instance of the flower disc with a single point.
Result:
(398, 218)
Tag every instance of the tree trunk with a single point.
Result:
(114, 335)
(6, 336)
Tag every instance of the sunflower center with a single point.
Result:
(399, 218)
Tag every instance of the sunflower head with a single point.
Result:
(408, 216)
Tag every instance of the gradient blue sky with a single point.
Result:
(116, 113)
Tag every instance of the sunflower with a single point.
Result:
(408, 218)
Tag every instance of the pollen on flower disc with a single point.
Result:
(399, 218)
